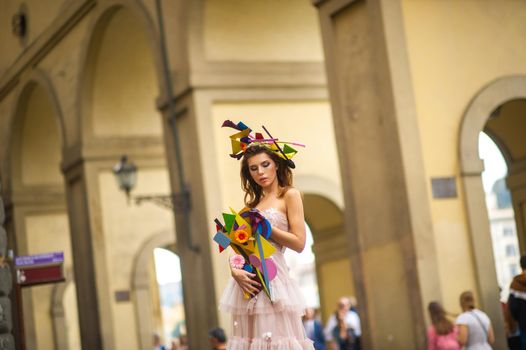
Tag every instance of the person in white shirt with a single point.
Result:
(351, 319)
(474, 326)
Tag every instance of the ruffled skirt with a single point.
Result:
(258, 324)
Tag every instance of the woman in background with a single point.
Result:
(474, 326)
(442, 334)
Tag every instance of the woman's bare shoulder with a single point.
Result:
(292, 192)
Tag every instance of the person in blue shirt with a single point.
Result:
(314, 329)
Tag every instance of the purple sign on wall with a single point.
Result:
(39, 259)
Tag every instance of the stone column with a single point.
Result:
(7, 341)
(387, 213)
(94, 316)
(517, 185)
(193, 236)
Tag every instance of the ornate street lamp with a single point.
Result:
(126, 176)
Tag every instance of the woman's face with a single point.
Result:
(262, 169)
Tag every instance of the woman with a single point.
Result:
(259, 323)
(474, 326)
(442, 334)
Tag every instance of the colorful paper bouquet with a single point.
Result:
(247, 233)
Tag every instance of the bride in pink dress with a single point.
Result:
(258, 323)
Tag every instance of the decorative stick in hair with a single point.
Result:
(290, 163)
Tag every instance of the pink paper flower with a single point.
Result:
(237, 261)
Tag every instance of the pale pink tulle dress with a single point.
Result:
(259, 324)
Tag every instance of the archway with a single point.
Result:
(146, 297)
(120, 79)
(119, 88)
(500, 213)
(330, 248)
(497, 110)
(168, 284)
(39, 220)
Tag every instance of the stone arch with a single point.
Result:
(485, 102)
(318, 185)
(35, 189)
(37, 79)
(481, 107)
(506, 153)
(141, 284)
(96, 31)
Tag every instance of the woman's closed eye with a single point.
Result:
(255, 167)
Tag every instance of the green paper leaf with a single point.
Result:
(229, 221)
(287, 149)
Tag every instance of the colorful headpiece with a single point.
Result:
(243, 139)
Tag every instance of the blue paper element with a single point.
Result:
(242, 126)
(248, 268)
(263, 263)
(222, 240)
(264, 228)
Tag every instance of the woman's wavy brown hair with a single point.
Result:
(439, 319)
(253, 191)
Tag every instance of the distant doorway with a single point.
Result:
(501, 215)
(327, 254)
(498, 110)
(170, 293)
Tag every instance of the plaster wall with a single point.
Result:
(40, 14)
(126, 82)
(126, 228)
(63, 68)
(508, 127)
(71, 316)
(306, 122)
(334, 278)
(279, 31)
(40, 146)
(454, 49)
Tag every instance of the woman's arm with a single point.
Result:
(463, 333)
(244, 280)
(491, 334)
(295, 239)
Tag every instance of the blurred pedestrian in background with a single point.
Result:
(442, 334)
(343, 327)
(157, 344)
(474, 326)
(218, 338)
(517, 302)
(314, 329)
